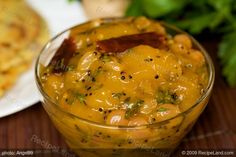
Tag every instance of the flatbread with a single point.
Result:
(23, 34)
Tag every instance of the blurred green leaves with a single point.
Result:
(215, 16)
(227, 54)
(135, 9)
(154, 8)
(159, 8)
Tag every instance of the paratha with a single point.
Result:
(22, 34)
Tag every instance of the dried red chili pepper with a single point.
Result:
(63, 55)
(120, 44)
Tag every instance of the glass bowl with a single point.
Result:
(88, 138)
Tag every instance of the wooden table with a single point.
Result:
(215, 129)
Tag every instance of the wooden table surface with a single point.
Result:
(215, 129)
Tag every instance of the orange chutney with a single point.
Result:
(105, 74)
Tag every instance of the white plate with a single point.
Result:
(59, 15)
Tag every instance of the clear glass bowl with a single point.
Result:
(89, 138)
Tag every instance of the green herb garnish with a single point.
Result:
(70, 68)
(80, 97)
(105, 58)
(75, 96)
(133, 108)
(118, 95)
(162, 109)
(166, 97)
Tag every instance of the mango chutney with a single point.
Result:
(124, 83)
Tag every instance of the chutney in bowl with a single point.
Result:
(123, 85)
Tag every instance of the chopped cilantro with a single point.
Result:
(70, 68)
(162, 109)
(75, 96)
(80, 97)
(105, 58)
(166, 97)
(118, 95)
(133, 108)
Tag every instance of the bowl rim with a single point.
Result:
(205, 94)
